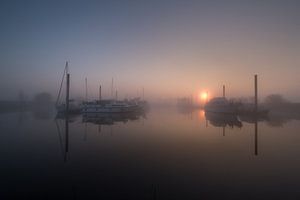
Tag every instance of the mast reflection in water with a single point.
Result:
(167, 155)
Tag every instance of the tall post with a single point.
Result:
(255, 92)
(224, 91)
(256, 125)
(116, 95)
(67, 94)
(100, 93)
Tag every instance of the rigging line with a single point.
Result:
(61, 84)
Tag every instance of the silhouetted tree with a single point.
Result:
(275, 99)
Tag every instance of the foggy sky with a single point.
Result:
(171, 48)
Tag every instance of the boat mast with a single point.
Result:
(67, 114)
(61, 83)
(206, 97)
(68, 89)
(112, 87)
(224, 91)
(100, 93)
(86, 90)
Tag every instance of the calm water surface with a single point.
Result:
(163, 154)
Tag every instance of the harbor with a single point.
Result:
(69, 106)
(149, 100)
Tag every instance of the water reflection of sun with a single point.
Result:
(201, 115)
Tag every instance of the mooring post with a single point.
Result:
(255, 138)
(255, 92)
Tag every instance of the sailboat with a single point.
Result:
(69, 105)
(108, 105)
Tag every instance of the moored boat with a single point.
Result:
(69, 106)
(221, 105)
(107, 106)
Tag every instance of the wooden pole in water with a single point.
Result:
(255, 138)
(224, 91)
(255, 93)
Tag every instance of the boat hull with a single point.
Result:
(72, 109)
(221, 109)
(221, 105)
(103, 109)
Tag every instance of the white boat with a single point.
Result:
(107, 106)
(110, 118)
(221, 105)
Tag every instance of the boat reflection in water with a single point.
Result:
(223, 120)
(111, 118)
(231, 120)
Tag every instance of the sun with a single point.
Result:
(204, 95)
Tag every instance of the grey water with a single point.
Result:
(166, 153)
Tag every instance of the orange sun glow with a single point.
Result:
(204, 95)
